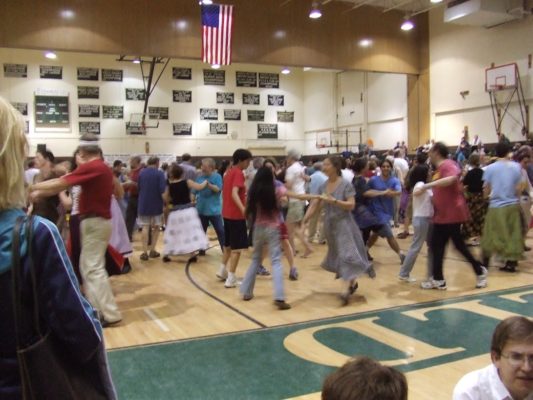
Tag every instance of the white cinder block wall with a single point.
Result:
(458, 58)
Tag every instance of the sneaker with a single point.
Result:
(154, 254)
(144, 257)
(193, 259)
(231, 282)
(402, 235)
(248, 297)
(282, 305)
(353, 287)
(262, 271)
(433, 284)
(166, 259)
(371, 272)
(222, 273)
(402, 258)
(407, 279)
(201, 253)
(481, 281)
(293, 274)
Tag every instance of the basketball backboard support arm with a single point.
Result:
(502, 80)
(148, 78)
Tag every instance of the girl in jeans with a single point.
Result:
(263, 207)
(422, 213)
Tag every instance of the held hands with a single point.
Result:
(328, 198)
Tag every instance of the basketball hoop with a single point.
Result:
(496, 88)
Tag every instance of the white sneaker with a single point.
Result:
(407, 279)
(433, 284)
(222, 273)
(481, 281)
(231, 282)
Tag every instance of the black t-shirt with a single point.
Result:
(474, 180)
(179, 193)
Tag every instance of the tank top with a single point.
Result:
(179, 193)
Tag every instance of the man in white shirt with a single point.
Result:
(295, 179)
(510, 376)
(29, 174)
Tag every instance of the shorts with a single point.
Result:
(296, 211)
(385, 231)
(235, 234)
(283, 232)
(150, 220)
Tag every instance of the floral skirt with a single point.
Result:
(477, 205)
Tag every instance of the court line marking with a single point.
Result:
(327, 319)
(157, 321)
(219, 300)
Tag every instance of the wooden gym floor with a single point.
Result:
(178, 311)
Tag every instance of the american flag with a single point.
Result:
(217, 24)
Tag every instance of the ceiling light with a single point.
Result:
(436, 1)
(365, 42)
(50, 55)
(280, 34)
(285, 71)
(215, 66)
(137, 61)
(407, 25)
(315, 13)
(181, 25)
(307, 68)
(205, 2)
(67, 14)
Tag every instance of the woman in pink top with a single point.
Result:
(263, 207)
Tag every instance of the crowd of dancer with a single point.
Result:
(347, 201)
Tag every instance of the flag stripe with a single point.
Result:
(216, 39)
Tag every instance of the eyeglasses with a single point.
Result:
(518, 359)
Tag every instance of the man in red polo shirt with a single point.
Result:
(96, 181)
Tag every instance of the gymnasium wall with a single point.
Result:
(459, 56)
(368, 105)
(161, 140)
(376, 103)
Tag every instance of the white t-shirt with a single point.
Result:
(401, 165)
(422, 206)
(294, 180)
(482, 384)
(347, 175)
(29, 175)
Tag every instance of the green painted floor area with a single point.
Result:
(255, 364)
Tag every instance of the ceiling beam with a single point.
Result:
(398, 5)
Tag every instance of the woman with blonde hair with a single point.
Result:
(63, 313)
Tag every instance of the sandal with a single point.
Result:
(353, 288)
(508, 268)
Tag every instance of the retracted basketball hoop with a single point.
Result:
(140, 122)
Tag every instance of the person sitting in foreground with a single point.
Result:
(510, 376)
(365, 379)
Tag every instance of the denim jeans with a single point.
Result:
(218, 225)
(421, 225)
(269, 236)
